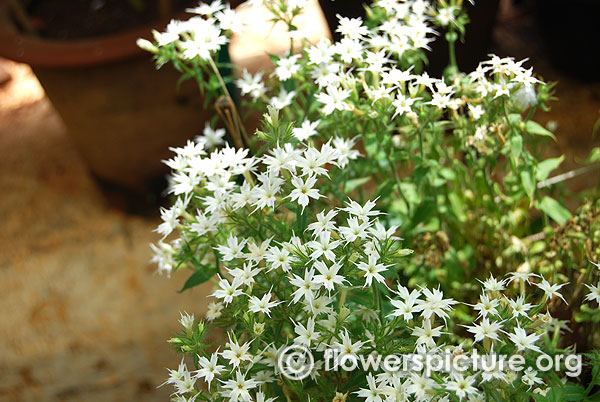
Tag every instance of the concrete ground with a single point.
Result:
(84, 318)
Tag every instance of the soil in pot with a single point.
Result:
(68, 19)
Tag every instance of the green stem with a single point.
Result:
(451, 48)
(343, 298)
(531, 113)
(487, 179)
(238, 120)
(398, 184)
(377, 299)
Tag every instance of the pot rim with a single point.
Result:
(43, 52)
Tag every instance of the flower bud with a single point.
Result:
(525, 97)
(344, 313)
(259, 328)
(146, 45)
(339, 397)
(187, 322)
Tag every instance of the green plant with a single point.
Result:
(298, 226)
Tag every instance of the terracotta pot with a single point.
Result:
(569, 33)
(121, 113)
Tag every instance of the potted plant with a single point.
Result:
(120, 111)
(384, 235)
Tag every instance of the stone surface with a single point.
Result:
(83, 315)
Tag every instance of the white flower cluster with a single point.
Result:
(202, 35)
(269, 277)
(288, 173)
(289, 232)
(360, 73)
(503, 322)
(331, 66)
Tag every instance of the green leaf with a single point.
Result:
(385, 189)
(544, 168)
(198, 277)
(423, 212)
(274, 58)
(574, 393)
(535, 128)
(353, 184)
(516, 147)
(457, 206)
(528, 183)
(596, 127)
(370, 141)
(447, 173)
(454, 267)
(566, 394)
(594, 155)
(537, 247)
(538, 397)
(514, 118)
(420, 172)
(555, 210)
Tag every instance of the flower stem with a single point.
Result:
(238, 128)
(451, 47)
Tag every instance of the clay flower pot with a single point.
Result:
(570, 31)
(121, 113)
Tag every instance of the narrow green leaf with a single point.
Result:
(385, 189)
(420, 173)
(528, 183)
(198, 277)
(516, 147)
(535, 128)
(594, 155)
(574, 393)
(457, 206)
(447, 173)
(353, 184)
(555, 210)
(546, 167)
(514, 118)
(596, 127)
(423, 212)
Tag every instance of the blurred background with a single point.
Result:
(85, 120)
